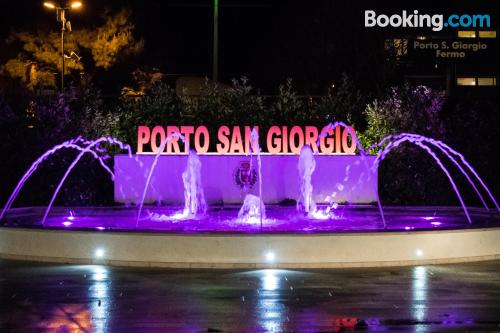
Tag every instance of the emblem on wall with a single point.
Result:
(245, 177)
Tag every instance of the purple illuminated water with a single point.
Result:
(88, 149)
(394, 141)
(306, 167)
(278, 219)
(194, 197)
(447, 151)
(252, 211)
(91, 147)
(161, 149)
(249, 200)
(362, 152)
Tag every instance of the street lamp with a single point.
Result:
(65, 25)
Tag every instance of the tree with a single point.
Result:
(111, 41)
(40, 57)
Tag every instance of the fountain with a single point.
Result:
(194, 198)
(306, 167)
(252, 211)
(152, 169)
(253, 207)
(71, 144)
(315, 213)
(88, 148)
(393, 141)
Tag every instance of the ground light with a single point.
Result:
(99, 253)
(270, 256)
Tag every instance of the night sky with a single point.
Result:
(266, 40)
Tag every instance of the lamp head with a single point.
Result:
(49, 4)
(75, 4)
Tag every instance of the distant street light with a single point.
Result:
(65, 25)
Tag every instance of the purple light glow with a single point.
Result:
(152, 169)
(89, 148)
(67, 223)
(71, 144)
(279, 219)
(393, 141)
(428, 218)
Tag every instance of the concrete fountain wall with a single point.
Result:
(372, 249)
(343, 176)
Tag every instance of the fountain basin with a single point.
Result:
(354, 239)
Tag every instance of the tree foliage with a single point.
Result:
(110, 41)
(39, 60)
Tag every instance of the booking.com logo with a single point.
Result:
(436, 21)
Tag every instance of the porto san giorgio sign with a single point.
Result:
(232, 140)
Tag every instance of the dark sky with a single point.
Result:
(265, 40)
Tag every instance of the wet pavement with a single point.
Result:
(92, 298)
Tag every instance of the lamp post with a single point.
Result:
(61, 17)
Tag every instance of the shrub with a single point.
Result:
(343, 102)
(408, 175)
(404, 109)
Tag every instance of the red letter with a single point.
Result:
(345, 145)
(143, 135)
(174, 143)
(294, 147)
(285, 140)
(187, 131)
(248, 139)
(312, 137)
(338, 148)
(223, 146)
(236, 141)
(276, 147)
(328, 147)
(154, 133)
(202, 130)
